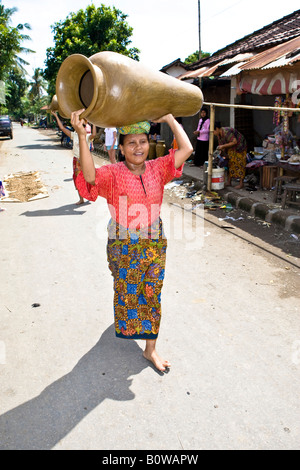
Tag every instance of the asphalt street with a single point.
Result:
(230, 327)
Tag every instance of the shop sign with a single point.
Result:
(279, 83)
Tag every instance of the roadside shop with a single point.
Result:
(278, 158)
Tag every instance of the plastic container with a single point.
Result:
(218, 178)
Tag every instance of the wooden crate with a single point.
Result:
(269, 173)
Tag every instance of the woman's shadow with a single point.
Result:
(104, 372)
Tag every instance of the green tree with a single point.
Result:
(192, 58)
(11, 39)
(38, 85)
(88, 32)
(16, 87)
(36, 93)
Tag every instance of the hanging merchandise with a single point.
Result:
(276, 115)
(285, 115)
(285, 122)
(286, 104)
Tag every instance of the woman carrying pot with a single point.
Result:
(136, 246)
(234, 144)
(73, 136)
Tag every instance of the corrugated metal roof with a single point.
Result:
(199, 73)
(295, 58)
(264, 58)
(235, 70)
(277, 63)
(238, 58)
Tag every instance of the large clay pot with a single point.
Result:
(152, 149)
(53, 106)
(160, 148)
(116, 90)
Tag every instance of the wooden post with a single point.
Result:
(211, 146)
(199, 29)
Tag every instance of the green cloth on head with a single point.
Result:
(142, 127)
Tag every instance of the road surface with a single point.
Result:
(230, 328)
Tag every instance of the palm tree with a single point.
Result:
(10, 42)
(38, 85)
(36, 92)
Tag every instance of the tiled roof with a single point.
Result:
(177, 63)
(269, 36)
(287, 53)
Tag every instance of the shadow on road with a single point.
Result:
(104, 372)
(260, 236)
(41, 147)
(69, 209)
(271, 234)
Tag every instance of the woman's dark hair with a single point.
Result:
(122, 136)
(203, 118)
(218, 125)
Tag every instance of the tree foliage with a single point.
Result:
(192, 58)
(16, 87)
(37, 85)
(88, 32)
(11, 39)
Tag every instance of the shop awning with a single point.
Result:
(268, 82)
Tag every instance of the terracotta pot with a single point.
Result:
(160, 148)
(116, 90)
(53, 106)
(152, 149)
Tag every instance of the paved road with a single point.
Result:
(230, 328)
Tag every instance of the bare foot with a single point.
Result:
(159, 363)
(81, 201)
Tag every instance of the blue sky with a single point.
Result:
(164, 30)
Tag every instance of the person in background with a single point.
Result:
(154, 131)
(111, 143)
(202, 133)
(74, 137)
(234, 144)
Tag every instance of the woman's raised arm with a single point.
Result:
(185, 148)
(86, 159)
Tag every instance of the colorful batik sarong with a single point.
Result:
(137, 262)
(237, 163)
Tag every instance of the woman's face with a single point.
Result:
(135, 148)
(203, 114)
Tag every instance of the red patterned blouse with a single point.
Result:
(134, 201)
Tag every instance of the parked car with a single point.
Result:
(6, 127)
